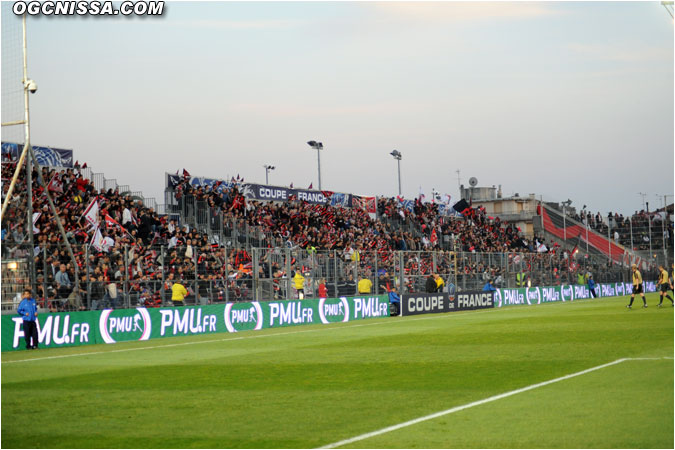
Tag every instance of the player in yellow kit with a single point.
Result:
(637, 287)
(664, 284)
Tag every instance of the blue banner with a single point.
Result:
(46, 156)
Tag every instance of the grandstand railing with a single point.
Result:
(647, 236)
(230, 274)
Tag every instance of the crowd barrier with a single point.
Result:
(109, 326)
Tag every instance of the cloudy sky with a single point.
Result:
(564, 100)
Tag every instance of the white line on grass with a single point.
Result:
(480, 402)
(388, 322)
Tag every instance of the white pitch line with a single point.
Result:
(388, 322)
(479, 402)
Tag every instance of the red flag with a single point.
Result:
(84, 166)
(310, 185)
(434, 236)
(291, 185)
(55, 184)
(186, 174)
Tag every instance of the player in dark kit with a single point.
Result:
(637, 287)
(665, 285)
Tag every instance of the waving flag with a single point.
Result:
(55, 184)
(91, 213)
(97, 240)
(36, 216)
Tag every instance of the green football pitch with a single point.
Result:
(586, 374)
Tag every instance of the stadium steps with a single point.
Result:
(575, 232)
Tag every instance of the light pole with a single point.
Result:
(397, 156)
(565, 205)
(317, 146)
(267, 173)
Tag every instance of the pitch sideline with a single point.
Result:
(481, 402)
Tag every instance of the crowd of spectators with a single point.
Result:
(641, 231)
(141, 253)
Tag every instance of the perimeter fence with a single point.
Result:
(127, 277)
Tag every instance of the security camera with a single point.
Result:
(32, 86)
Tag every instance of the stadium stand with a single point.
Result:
(226, 247)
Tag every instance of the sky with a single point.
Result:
(566, 100)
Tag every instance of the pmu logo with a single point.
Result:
(532, 294)
(243, 317)
(333, 310)
(121, 325)
(566, 292)
(498, 298)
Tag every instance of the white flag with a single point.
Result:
(97, 240)
(91, 213)
(36, 216)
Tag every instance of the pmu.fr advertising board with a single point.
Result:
(414, 304)
(140, 324)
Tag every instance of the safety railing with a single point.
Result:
(129, 276)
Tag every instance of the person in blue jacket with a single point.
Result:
(28, 311)
(489, 287)
(591, 286)
(395, 299)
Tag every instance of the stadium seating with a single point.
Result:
(145, 252)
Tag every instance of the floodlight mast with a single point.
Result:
(29, 86)
(267, 172)
(318, 146)
(397, 156)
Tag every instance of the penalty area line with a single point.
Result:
(480, 402)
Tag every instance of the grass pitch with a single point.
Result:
(311, 386)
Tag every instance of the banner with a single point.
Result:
(369, 204)
(566, 292)
(414, 304)
(45, 156)
(282, 194)
(110, 326)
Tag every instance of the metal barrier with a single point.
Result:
(216, 273)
